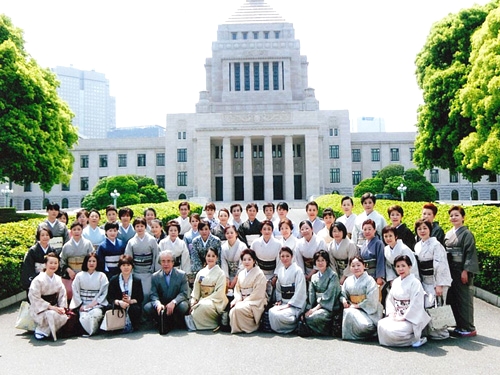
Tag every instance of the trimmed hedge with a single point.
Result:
(17, 237)
(481, 220)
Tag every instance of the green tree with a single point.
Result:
(442, 69)
(390, 171)
(373, 185)
(133, 190)
(480, 99)
(36, 134)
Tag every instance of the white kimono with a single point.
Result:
(290, 242)
(182, 260)
(47, 321)
(406, 316)
(230, 258)
(348, 222)
(305, 251)
(390, 254)
(284, 319)
(357, 231)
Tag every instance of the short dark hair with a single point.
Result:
(286, 221)
(109, 226)
(83, 212)
(397, 208)
(286, 249)
(341, 227)
(110, 207)
(305, 222)
(324, 254)
(368, 195)
(65, 214)
(282, 205)
(213, 250)
(185, 203)
(403, 258)
(210, 206)
(358, 257)
(421, 222)
(224, 210)
(328, 211)
(369, 222)
(252, 204)
(75, 224)
(347, 198)
(96, 211)
(251, 253)
(43, 227)
(312, 203)
(124, 211)
(203, 223)
(149, 209)
(432, 207)
(389, 228)
(195, 216)
(173, 223)
(126, 259)
(140, 220)
(53, 206)
(233, 227)
(85, 266)
(50, 255)
(266, 222)
(233, 206)
(268, 204)
(457, 208)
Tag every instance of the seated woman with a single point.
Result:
(231, 251)
(249, 295)
(360, 297)
(47, 296)
(34, 260)
(341, 251)
(405, 314)
(90, 288)
(125, 291)
(291, 295)
(434, 270)
(177, 246)
(208, 299)
(324, 292)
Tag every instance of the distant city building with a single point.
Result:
(137, 132)
(87, 93)
(370, 125)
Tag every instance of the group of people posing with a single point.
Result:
(320, 277)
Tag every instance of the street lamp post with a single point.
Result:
(115, 196)
(6, 192)
(402, 190)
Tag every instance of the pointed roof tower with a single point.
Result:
(255, 11)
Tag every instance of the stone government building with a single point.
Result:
(257, 133)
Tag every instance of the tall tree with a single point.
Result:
(442, 69)
(36, 134)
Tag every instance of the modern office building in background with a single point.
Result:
(87, 93)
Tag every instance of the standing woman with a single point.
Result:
(341, 251)
(434, 270)
(34, 260)
(177, 246)
(208, 299)
(125, 291)
(149, 215)
(231, 251)
(157, 230)
(372, 252)
(219, 229)
(92, 231)
(405, 313)
(360, 297)
(324, 292)
(191, 234)
(250, 297)
(307, 246)
(144, 250)
(288, 239)
(47, 296)
(291, 295)
(461, 247)
(90, 289)
(394, 248)
(201, 244)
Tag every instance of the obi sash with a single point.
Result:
(455, 254)
(371, 266)
(56, 243)
(111, 261)
(426, 267)
(357, 299)
(245, 292)
(177, 261)
(206, 290)
(75, 263)
(87, 295)
(233, 268)
(309, 263)
(143, 261)
(51, 298)
(401, 305)
(341, 265)
(287, 291)
(267, 265)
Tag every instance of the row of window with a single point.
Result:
(160, 181)
(375, 152)
(122, 160)
(271, 72)
(257, 151)
(255, 34)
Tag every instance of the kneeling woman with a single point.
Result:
(324, 292)
(208, 299)
(125, 291)
(360, 297)
(406, 316)
(90, 289)
(290, 294)
(250, 296)
(47, 296)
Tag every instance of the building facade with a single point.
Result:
(87, 93)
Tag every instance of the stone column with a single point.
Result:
(227, 170)
(268, 168)
(289, 171)
(312, 161)
(203, 168)
(247, 169)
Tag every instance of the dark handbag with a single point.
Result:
(72, 326)
(265, 326)
(166, 322)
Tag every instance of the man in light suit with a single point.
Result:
(169, 294)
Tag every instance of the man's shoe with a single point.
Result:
(463, 333)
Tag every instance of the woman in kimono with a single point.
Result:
(34, 260)
(90, 289)
(208, 299)
(177, 246)
(250, 297)
(157, 230)
(360, 298)
(93, 232)
(372, 252)
(231, 255)
(406, 317)
(434, 270)
(288, 239)
(461, 248)
(144, 250)
(47, 296)
(219, 230)
(291, 295)
(201, 244)
(307, 246)
(324, 292)
(394, 248)
(191, 234)
(341, 251)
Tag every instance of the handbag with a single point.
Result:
(114, 319)
(24, 320)
(441, 317)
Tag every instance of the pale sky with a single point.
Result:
(361, 53)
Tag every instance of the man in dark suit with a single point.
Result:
(169, 295)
